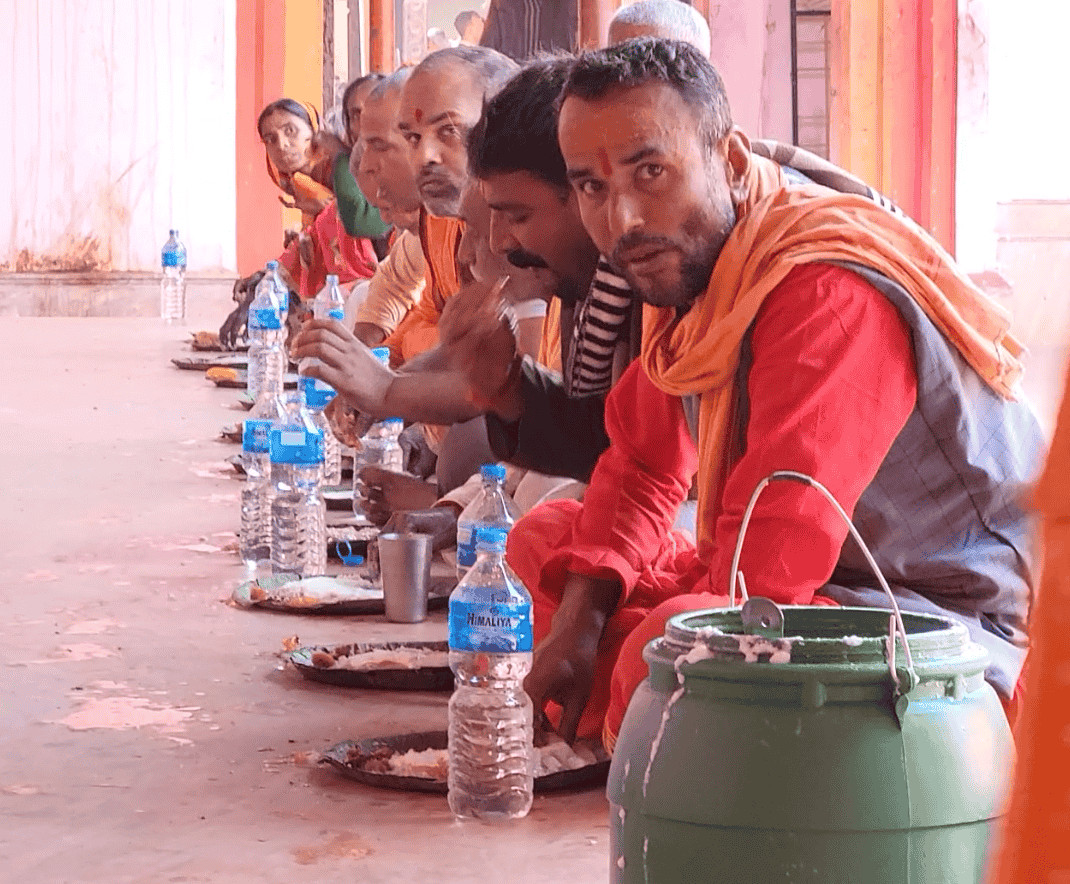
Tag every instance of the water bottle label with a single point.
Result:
(336, 314)
(256, 436)
(490, 627)
(296, 446)
(264, 317)
(318, 394)
(466, 546)
(173, 259)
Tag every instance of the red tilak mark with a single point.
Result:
(604, 157)
(419, 114)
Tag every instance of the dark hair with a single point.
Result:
(350, 89)
(680, 65)
(518, 129)
(490, 67)
(289, 106)
(464, 19)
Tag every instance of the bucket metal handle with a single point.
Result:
(895, 624)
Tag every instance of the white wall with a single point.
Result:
(119, 123)
(1014, 79)
(1030, 90)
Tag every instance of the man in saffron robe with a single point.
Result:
(442, 100)
(784, 328)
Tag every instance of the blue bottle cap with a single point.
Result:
(493, 471)
(382, 354)
(272, 265)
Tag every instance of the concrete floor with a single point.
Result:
(148, 732)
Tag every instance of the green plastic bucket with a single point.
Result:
(813, 757)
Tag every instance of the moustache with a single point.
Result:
(525, 259)
(431, 172)
(633, 242)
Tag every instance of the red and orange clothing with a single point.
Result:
(1033, 845)
(831, 383)
(418, 331)
(334, 251)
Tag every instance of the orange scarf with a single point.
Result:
(440, 237)
(550, 345)
(779, 228)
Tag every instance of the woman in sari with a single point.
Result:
(308, 164)
(294, 161)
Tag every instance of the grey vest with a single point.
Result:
(945, 515)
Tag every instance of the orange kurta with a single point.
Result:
(418, 331)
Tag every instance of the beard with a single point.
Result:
(440, 194)
(698, 245)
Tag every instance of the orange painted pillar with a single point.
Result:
(893, 103)
(279, 54)
(381, 35)
(259, 81)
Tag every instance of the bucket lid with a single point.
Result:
(818, 635)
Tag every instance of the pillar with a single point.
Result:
(893, 104)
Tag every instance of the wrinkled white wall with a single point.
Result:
(119, 123)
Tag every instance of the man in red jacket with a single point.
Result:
(784, 328)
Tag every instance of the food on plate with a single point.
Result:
(205, 340)
(557, 755)
(322, 660)
(311, 591)
(221, 373)
(433, 764)
(380, 658)
(339, 533)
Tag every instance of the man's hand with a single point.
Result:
(296, 313)
(419, 459)
(477, 332)
(386, 492)
(440, 522)
(348, 423)
(233, 328)
(344, 363)
(564, 662)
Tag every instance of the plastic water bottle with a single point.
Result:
(267, 352)
(173, 284)
(298, 515)
(491, 759)
(316, 402)
(328, 304)
(491, 508)
(258, 491)
(282, 291)
(379, 447)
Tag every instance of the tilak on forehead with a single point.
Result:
(419, 114)
(604, 159)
